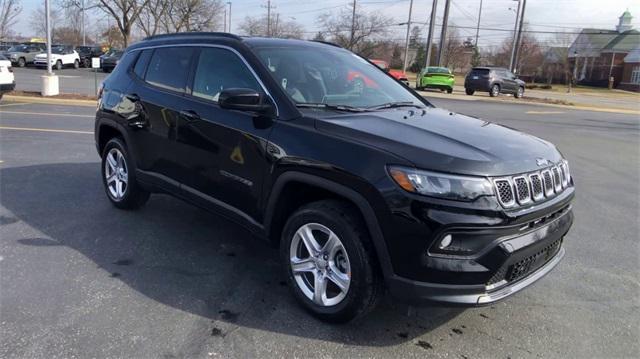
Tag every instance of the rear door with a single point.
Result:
(159, 87)
(224, 150)
(508, 81)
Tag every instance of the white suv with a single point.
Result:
(61, 55)
(7, 81)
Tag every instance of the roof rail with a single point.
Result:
(327, 43)
(193, 34)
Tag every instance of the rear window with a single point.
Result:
(438, 70)
(169, 68)
(479, 72)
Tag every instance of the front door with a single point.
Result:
(223, 149)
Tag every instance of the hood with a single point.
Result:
(440, 140)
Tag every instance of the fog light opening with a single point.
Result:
(445, 242)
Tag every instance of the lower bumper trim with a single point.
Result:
(420, 293)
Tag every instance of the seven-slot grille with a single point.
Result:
(532, 187)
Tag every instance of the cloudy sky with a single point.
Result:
(542, 15)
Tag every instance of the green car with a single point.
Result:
(435, 77)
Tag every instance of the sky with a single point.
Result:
(541, 15)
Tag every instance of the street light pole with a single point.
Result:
(48, 26)
(84, 36)
(406, 48)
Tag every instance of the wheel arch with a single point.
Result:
(281, 204)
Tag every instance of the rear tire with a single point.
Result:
(58, 65)
(118, 167)
(76, 64)
(469, 92)
(358, 273)
(495, 90)
(449, 90)
(22, 62)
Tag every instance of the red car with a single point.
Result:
(397, 74)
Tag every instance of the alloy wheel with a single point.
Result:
(320, 264)
(116, 174)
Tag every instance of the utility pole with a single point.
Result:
(84, 36)
(224, 29)
(406, 48)
(268, 18)
(443, 34)
(478, 27)
(519, 41)
(47, 20)
(515, 37)
(353, 25)
(229, 3)
(432, 24)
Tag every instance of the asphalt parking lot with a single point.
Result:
(79, 278)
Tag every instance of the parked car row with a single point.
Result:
(22, 55)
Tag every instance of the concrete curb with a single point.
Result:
(578, 107)
(51, 101)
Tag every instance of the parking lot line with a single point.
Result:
(16, 104)
(544, 112)
(47, 114)
(44, 130)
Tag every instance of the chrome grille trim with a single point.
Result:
(504, 192)
(522, 191)
(537, 191)
(547, 181)
(536, 186)
(557, 180)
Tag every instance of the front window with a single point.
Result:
(333, 77)
(19, 48)
(635, 75)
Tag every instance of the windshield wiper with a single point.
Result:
(394, 105)
(330, 107)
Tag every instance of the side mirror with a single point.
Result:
(242, 99)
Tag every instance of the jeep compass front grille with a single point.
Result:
(523, 189)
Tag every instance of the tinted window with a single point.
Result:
(169, 68)
(480, 72)
(220, 69)
(141, 64)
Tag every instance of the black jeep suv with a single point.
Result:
(362, 187)
(495, 80)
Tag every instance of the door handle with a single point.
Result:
(190, 115)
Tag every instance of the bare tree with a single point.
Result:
(455, 51)
(125, 13)
(355, 33)
(257, 26)
(9, 11)
(38, 23)
(192, 15)
(150, 21)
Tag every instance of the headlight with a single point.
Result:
(460, 188)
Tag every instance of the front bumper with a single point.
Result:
(7, 87)
(514, 264)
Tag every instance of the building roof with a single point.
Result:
(624, 42)
(633, 56)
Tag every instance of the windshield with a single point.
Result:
(18, 48)
(438, 70)
(334, 77)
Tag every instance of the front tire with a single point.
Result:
(22, 62)
(519, 93)
(76, 64)
(495, 90)
(58, 65)
(329, 261)
(119, 177)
